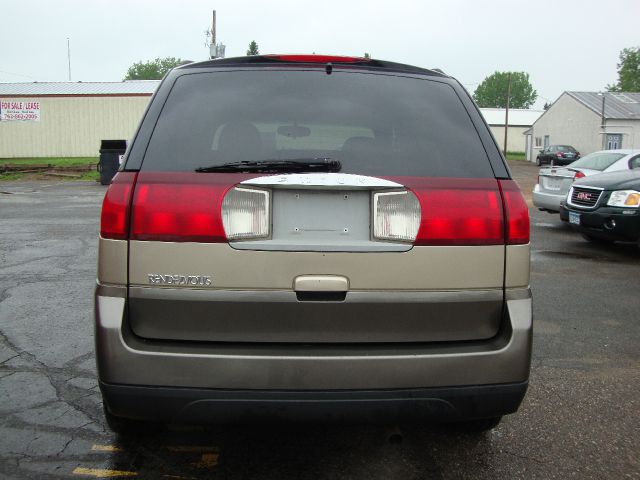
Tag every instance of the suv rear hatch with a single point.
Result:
(302, 204)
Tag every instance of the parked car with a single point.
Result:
(606, 207)
(554, 183)
(306, 236)
(558, 155)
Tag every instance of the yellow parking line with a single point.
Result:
(103, 472)
(106, 448)
(192, 448)
(208, 460)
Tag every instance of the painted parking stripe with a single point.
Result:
(105, 448)
(103, 472)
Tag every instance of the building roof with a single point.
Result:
(35, 89)
(517, 117)
(617, 105)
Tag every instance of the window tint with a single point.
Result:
(566, 148)
(634, 162)
(374, 124)
(597, 160)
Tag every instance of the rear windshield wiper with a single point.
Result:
(277, 165)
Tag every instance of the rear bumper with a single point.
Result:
(130, 368)
(191, 405)
(547, 201)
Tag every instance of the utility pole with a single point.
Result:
(506, 116)
(604, 125)
(69, 57)
(215, 50)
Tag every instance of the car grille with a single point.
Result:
(585, 197)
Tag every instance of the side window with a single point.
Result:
(634, 162)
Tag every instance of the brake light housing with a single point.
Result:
(306, 58)
(578, 175)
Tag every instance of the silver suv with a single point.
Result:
(305, 236)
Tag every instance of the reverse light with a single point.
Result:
(624, 198)
(114, 218)
(245, 214)
(396, 216)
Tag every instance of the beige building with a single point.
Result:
(588, 121)
(69, 119)
(520, 120)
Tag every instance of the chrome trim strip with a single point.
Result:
(330, 180)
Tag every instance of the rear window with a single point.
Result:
(598, 160)
(566, 148)
(374, 124)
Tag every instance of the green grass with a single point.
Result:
(89, 175)
(57, 161)
(516, 156)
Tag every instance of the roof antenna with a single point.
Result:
(328, 68)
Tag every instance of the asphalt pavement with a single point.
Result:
(580, 418)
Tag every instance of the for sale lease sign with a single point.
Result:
(19, 110)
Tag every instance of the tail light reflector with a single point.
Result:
(516, 212)
(396, 216)
(245, 214)
(114, 219)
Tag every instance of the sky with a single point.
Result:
(562, 44)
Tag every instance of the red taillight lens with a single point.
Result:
(114, 219)
(579, 175)
(516, 212)
(559, 155)
(458, 211)
(179, 207)
(318, 58)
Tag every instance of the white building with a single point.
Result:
(520, 120)
(588, 121)
(69, 119)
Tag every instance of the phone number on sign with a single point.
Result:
(20, 116)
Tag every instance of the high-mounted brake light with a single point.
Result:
(318, 58)
(114, 219)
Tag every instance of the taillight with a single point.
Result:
(179, 207)
(114, 219)
(516, 213)
(559, 155)
(578, 175)
(396, 216)
(245, 213)
(458, 211)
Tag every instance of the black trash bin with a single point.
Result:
(110, 151)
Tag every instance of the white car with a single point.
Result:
(554, 183)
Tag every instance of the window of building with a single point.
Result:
(538, 141)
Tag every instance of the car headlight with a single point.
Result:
(624, 198)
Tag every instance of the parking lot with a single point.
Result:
(580, 418)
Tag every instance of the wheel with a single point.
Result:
(598, 240)
(478, 425)
(538, 161)
(127, 426)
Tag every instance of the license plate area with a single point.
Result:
(574, 218)
(551, 183)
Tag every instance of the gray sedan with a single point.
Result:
(554, 183)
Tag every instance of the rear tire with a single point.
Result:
(479, 425)
(596, 240)
(130, 427)
(538, 161)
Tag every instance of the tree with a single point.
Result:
(492, 92)
(628, 71)
(366, 55)
(153, 69)
(253, 48)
